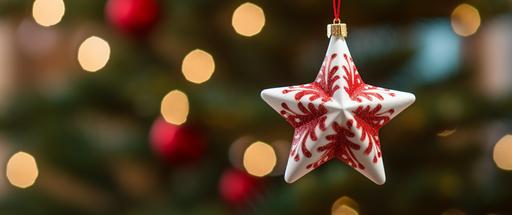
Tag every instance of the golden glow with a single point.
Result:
(175, 107)
(259, 159)
(503, 153)
(198, 66)
(465, 20)
(93, 54)
(48, 12)
(248, 19)
(344, 210)
(345, 206)
(22, 170)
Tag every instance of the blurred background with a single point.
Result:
(153, 107)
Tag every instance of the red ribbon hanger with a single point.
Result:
(336, 7)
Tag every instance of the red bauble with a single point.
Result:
(237, 187)
(135, 17)
(177, 144)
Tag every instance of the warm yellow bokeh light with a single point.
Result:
(175, 107)
(503, 153)
(259, 159)
(93, 54)
(22, 170)
(198, 66)
(48, 12)
(465, 20)
(248, 19)
(345, 206)
(344, 210)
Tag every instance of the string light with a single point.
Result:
(248, 19)
(48, 12)
(259, 159)
(175, 107)
(93, 54)
(465, 20)
(502, 154)
(22, 170)
(345, 206)
(198, 66)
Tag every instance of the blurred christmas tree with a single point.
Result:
(153, 107)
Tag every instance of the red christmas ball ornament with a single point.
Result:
(237, 187)
(177, 144)
(134, 17)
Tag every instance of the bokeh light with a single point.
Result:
(465, 20)
(22, 170)
(93, 54)
(198, 66)
(248, 19)
(48, 12)
(259, 159)
(345, 206)
(503, 153)
(175, 107)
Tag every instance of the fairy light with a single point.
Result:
(502, 154)
(465, 20)
(345, 206)
(48, 12)
(93, 54)
(198, 66)
(259, 159)
(175, 107)
(22, 170)
(248, 19)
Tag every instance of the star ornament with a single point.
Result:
(337, 116)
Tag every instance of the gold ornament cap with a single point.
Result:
(337, 29)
